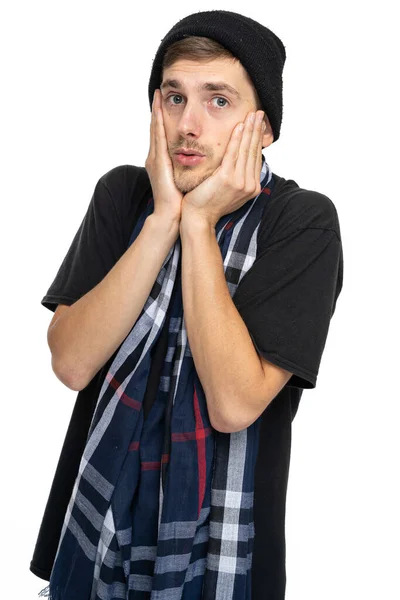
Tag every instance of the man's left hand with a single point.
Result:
(236, 180)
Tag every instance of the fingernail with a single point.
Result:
(252, 117)
(260, 116)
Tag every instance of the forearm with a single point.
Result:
(224, 355)
(89, 332)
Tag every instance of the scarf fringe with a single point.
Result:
(45, 592)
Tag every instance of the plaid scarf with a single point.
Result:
(162, 507)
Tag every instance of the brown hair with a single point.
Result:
(200, 49)
(196, 48)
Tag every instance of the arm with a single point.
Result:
(83, 337)
(238, 383)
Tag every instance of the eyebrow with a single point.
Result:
(210, 86)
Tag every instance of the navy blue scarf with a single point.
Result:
(162, 507)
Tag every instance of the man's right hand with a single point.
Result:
(167, 197)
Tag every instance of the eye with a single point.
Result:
(223, 100)
(168, 99)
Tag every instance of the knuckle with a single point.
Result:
(251, 186)
(241, 184)
(225, 179)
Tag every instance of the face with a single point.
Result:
(201, 103)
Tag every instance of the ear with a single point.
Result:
(268, 137)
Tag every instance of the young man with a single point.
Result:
(191, 311)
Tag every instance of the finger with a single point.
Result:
(241, 163)
(253, 157)
(161, 138)
(257, 173)
(152, 150)
(232, 150)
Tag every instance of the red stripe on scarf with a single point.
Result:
(267, 191)
(187, 436)
(150, 466)
(135, 404)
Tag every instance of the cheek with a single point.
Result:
(169, 128)
(223, 142)
(167, 120)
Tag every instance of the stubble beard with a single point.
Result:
(186, 179)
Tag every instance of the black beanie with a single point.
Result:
(259, 50)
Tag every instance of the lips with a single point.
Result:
(188, 159)
(188, 152)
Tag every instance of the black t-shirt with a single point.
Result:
(286, 300)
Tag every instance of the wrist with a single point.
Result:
(196, 222)
(162, 224)
(192, 217)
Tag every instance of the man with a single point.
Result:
(191, 311)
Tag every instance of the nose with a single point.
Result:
(189, 124)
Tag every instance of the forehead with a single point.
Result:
(194, 74)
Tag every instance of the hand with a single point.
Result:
(236, 180)
(167, 197)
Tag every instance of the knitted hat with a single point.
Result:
(259, 50)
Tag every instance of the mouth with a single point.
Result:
(188, 152)
(184, 157)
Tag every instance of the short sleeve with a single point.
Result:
(288, 297)
(95, 248)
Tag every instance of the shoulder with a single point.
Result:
(124, 178)
(125, 188)
(291, 208)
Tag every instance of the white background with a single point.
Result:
(74, 105)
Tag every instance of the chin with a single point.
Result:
(187, 180)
